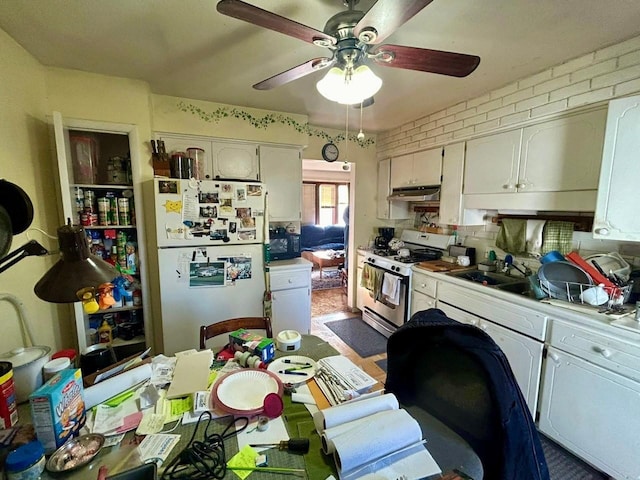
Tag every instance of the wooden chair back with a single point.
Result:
(226, 326)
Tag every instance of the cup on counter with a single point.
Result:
(464, 260)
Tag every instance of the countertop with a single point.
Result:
(626, 327)
(292, 263)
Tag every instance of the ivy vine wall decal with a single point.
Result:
(267, 120)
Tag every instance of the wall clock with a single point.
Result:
(330, 152)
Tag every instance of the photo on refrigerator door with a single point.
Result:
(207, 274)
(238, 267)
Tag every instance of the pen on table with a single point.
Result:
(286, 360)
(289, 372)
(298, 368)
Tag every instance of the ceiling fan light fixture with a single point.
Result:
(339, 87)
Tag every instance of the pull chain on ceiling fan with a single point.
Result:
(354, 38)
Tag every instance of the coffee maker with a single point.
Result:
(384, 237)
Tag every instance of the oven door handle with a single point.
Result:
(404, 279)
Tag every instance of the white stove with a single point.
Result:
(422, 247)
(380, 312)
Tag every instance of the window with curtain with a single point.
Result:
(324, 203)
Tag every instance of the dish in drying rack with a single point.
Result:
(563, 280)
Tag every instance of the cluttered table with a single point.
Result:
(200, 449)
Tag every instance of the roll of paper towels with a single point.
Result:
(288, 341)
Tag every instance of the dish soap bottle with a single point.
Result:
(104, 333)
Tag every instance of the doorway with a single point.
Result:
(327, 192)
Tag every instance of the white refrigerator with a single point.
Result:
(210, 253)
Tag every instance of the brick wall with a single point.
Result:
(593, 78)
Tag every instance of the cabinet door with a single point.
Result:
(491, 164)
(420, 301)
(359, 291)
(616, 217)
(402, 171)
(281, 172)
(451, 188)
(563, 154)
(235, 161)
(385, 209)
(427, 167)
(291, 310)
(592, 412)
(524, 354)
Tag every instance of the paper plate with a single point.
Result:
(281, 364)
(242, 392)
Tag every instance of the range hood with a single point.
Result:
(427, 193)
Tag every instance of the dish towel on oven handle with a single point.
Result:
(391, 288)
(372, 280)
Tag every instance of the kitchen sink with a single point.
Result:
(520, 287)
(486, 278)
(499, 281)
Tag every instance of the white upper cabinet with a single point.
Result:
(492, 163)
(554, 156)
(563, 154)
(451, 208)
(385, 209)
(616, 215)
(238, 161)
(222, 159)
(552, 165)
(416, 169)
(281, 171)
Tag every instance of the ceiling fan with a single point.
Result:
(354, 38)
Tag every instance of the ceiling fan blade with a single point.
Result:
(425, 60)
(263, 18)
(385, 17)
(294, 73)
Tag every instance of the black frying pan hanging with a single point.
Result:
(16, 213)
(5, 232)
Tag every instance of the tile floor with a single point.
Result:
(329, 305)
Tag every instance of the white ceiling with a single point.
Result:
(186, 48)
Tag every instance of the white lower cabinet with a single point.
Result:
(423, 292)
(291, 295)
(588, 409)
(524, 353)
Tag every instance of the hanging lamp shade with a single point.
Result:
(340, 87)
(77, 268)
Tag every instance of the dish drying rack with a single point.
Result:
(572, 292)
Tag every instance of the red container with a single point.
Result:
(8, 405)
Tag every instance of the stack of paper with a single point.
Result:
(373, 438)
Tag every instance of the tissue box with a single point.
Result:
(257, 344)
(57, 409)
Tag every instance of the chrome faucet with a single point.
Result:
(509, 264)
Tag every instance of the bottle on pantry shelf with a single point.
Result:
(105, 333)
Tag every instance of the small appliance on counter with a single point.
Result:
(384, 237)
(456, 251)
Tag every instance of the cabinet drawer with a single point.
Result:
(608, 352)
(516, 317)
(424, 284)
(290, 279)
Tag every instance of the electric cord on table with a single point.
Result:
(204, 459)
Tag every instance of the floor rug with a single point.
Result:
(363, 339)
(564, 466)
(330, 279)
(382, 364)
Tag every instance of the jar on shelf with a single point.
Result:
(84, 158)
